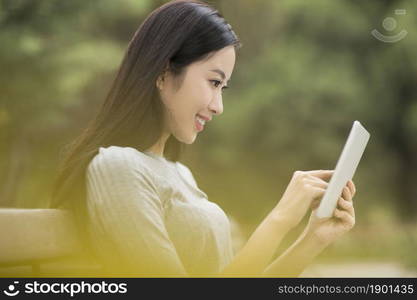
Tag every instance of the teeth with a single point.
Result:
(202, 122)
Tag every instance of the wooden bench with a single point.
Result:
(41, 243)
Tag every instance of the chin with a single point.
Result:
(187, 139)
(190, 140)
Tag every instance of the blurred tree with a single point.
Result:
(52, 53)
(305, 72)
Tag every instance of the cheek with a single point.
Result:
(198, 97)
(204, 95)
(193, 98)
(199, 88)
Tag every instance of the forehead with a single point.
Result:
(223, 59)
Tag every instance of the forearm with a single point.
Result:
(257, 253)
(296, 258)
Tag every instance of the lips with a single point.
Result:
(199, 123)
(204, 117)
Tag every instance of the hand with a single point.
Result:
(327, 230)
(303, 189)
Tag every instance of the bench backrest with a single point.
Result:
(36, 236)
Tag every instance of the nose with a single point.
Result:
(216, 105)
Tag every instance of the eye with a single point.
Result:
(216, 83)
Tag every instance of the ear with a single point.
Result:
(161, 78)
(160, 82)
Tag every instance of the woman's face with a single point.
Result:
(199, 96)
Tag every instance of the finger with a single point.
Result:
(323, 174)
(317, 179)
(317, 183)
(315, 204)
(317, 192)
(346, 194)
(352, 187)
(344, 217)
(343, 204)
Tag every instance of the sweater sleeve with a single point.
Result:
(123, 201)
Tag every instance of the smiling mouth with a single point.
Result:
(199, 123)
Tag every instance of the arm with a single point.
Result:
(257, 253)
(318, 234)
(259, 249)
(296, 258)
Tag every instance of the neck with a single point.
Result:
(159, 146)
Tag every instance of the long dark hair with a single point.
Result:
(174, 35)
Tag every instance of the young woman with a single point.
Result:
(138, 209)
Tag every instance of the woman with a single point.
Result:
(137, 208)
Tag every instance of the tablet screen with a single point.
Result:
(345, 169)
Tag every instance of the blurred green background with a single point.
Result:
(306, 71)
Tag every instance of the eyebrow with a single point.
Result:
(220, 72)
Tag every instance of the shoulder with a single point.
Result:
(186, 172)
(183, 168)
(118, 160)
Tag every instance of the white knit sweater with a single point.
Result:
(148, 217)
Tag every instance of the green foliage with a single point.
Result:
(307, 69)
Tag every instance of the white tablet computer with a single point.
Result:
(345, 169)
